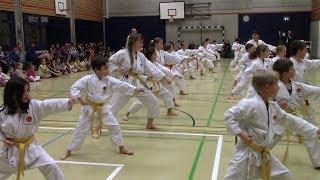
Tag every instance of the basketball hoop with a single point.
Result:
(172, 13)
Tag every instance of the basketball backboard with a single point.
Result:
(61, 7)
(173, 10)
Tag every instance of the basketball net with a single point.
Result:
(66, 11)
(170, 19)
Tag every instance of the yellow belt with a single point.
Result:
(96, 108)
(265, 167)
(21, 144)
(136, 76)
(155, 84)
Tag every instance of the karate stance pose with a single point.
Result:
(20, 117)
(131, 66)
(262, 62)
(291, 97)
(158, 88)
(254, 120)
(98, 87)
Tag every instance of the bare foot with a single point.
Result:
(96, 133)
(231, 97)
(171, 113)
(152, 126)
(125, 118)
(177, 105)
(125, 150)
(68, 153)
(183, 93)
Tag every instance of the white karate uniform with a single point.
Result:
(178, 65)
(275, 58)
(208, 53)
(215, 48)
(256, 44)
(307, 56)
(252, 116)
(164, 57)
(304, 66)
(236, 47)
(97, 91)
(166, 92)
(296, 100)
(301, 69)
(21, 125)
(141, 65)
(201, 59)
(248, 73)
(234, 65)
(243, 64)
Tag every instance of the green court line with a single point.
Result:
(196, 159)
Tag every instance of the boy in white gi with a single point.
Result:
(99, 88)
(254, 120)
(302, 67)
(20, 117)
(291, 97)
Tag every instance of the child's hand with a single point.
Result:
(283, 103)
(123, 71)
(71, 102)
(167, 80)
(8, 142)
(149, 78)
(83, 102)
(246, 137)
(139, 90)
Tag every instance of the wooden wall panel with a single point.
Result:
(84, 9)
(315, 14)
(6, 5)
(42, 7)
(89, 10)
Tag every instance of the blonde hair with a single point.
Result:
(263, 77)
(280, 48)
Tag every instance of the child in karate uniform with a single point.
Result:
(291, 97)
(20, 117)
(98, 87)
(255, 120)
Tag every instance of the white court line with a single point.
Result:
(216, 162)
(114, 173)
(142, 132)
(90, 163)
(110, 177)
